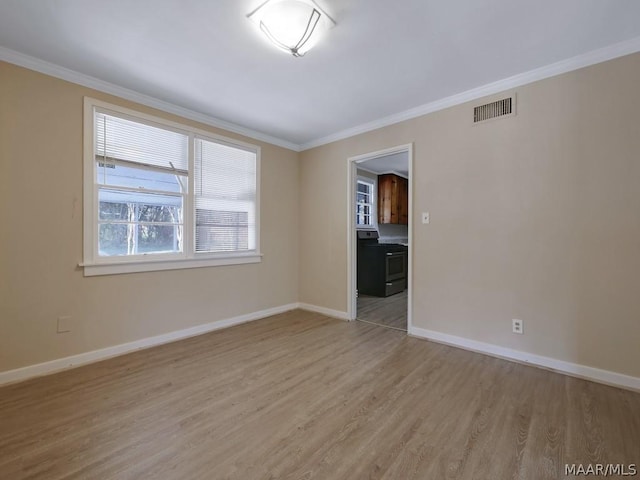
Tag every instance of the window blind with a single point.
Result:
(119, 139)
(161, 195)
(141, 178)
(225, 197)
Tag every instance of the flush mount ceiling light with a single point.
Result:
(292, 25)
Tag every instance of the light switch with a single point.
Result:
(425, 217)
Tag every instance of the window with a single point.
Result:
(160, 195)
(365, 203)
(225, 197)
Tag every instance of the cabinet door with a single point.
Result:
(403, 201)
(387, 199)
(393, 199)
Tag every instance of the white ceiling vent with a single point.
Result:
(497, 109)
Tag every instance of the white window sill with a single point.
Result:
(94, 269)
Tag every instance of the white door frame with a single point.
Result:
(351, 228)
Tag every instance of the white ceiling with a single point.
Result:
(394, 163)
(382, 59)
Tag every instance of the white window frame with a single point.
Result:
(94, 264)
(374, 203)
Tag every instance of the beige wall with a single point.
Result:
(535, 217)
(41, 238)
(364, 173)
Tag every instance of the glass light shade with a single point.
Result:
(292, 25)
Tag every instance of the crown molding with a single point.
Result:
(564, 66)
(383, 172)
(51, 69)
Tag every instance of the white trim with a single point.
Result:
(368, 171)
(89, 195)
(324, 311)
(94, 264)
(352, 267)
(91, 270)
(573, 369)
(352, 239)
(73, 361)
(373, 214)
(42, 66)
(381, 153)
(154, 120)
(564, 66)
(411, 242)
(384, 172)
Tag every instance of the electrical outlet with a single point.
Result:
(517, 326)
(64, 324)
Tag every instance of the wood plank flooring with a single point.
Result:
(386, 311)
(303, 396)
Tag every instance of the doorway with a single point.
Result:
(380, 237)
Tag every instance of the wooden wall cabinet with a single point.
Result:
(393, 199)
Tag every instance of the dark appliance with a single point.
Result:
(382, 267)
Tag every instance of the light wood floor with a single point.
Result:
(387, 311)
(302, 396)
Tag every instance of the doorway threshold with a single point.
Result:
(382, 325)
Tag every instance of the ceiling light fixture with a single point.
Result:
(292, 25)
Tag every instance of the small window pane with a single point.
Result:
(136, 239)
(363, 198)
(139, 206)
(365, 209)
(159, 213)
(114, 211)
(113, 239)
(125, 176)
(158, 239)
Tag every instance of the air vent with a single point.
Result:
(496, 109)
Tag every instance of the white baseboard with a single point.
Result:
(589, 373)
(325, 311)
(73, 361)
(573, 369)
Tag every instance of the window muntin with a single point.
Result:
(139, 223)
(163, 192)
(365, 204)
(142, 178)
